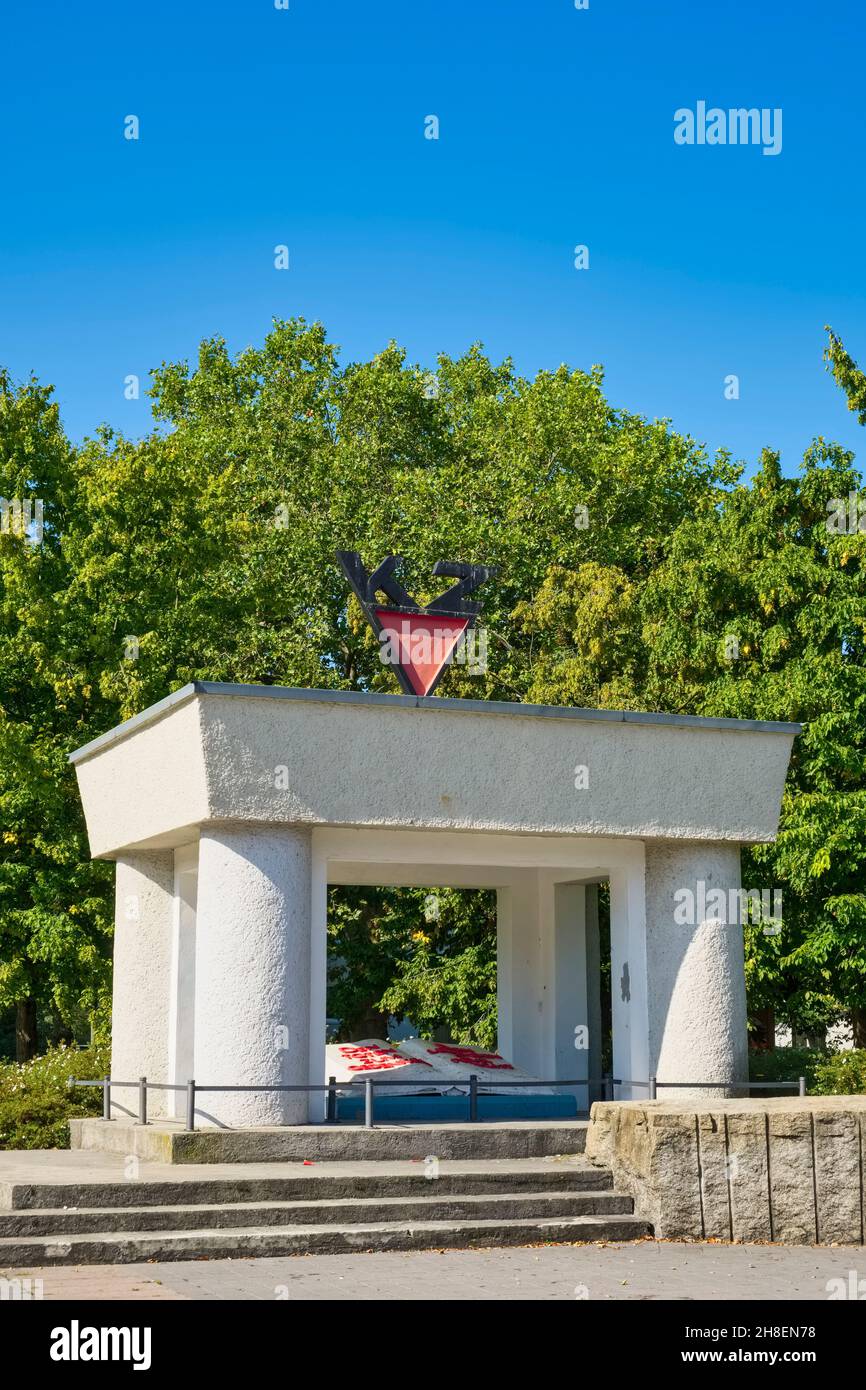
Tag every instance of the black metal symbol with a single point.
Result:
(454, 603)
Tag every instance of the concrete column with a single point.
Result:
(252, 983)
(182, 1019)
(628, 979)
(318, 1105)
(569, 988)
(140, 1011)
(593, 987)
(696, 982)
(518, 967)
(548, 976)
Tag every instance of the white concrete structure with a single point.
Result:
(230, 809)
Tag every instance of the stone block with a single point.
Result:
(837, 1177)
(792, 1177)
(713, 1156)
(748, 1177)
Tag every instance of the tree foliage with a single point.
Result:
(847, 375)
(755, 611)
(631, 564)
(428, 955)
(54, 902)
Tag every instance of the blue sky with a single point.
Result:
(306, 127)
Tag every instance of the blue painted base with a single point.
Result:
(444, 1109)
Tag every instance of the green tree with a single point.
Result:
(790, 598)
(206, 550)
(428, 955)
(54, 921)
(847, 375)
(755, 610)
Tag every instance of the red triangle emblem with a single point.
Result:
(422, 644)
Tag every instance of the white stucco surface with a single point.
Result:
(540, 998)
(697, 992)
(222, 753)
(140, 1014)
(252, 973)
(230, 809)
(146, 782)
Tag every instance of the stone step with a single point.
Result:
(434, 1206)
(572, 1175)
(165, 1141)
(135, 1246)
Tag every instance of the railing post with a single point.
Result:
(190, 1105)
(332, 1100)
(106, 1098)
(368, 1102)
(802, 1081)
(473, 1098)
(142, 1100)
(652, 1087)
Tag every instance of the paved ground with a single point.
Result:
(646, 1270)
(642, 1270)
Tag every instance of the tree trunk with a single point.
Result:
(25, 1029)
(764, 1033)
(858, 1023)
(368, 1022)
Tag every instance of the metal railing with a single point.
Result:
(606, 1084)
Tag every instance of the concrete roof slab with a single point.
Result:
(214, 752)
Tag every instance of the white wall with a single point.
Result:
(219, 947)
(143, 930)
(542, 924)
(182, 999)
(572, 987)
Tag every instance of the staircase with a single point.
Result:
(367, 1206)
